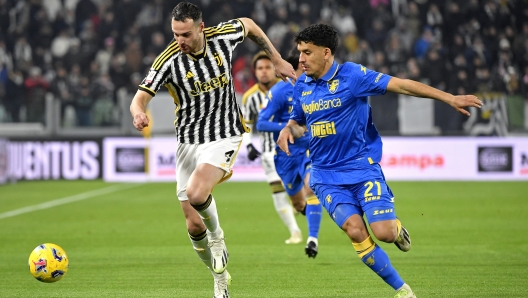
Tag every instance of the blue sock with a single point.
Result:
(377, 260)
(314, 214)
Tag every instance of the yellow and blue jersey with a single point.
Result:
(344, 143)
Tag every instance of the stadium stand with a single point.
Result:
(90, 54)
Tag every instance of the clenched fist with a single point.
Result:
(141, 121)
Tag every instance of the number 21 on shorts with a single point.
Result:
(372, 191)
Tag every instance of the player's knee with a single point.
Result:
(298, 201)
(385, 233)
(196, 196)
(195, 226)
(388, 237)
(357, 232)
(308, 191)
(298, 205)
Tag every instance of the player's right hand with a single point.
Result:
(461, 101)
(253, 153)
(285, 138)
(284, 70)
(140, 121)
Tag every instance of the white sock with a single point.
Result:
(310, 238)
(201, 248)
(285, 211)
(209, 217)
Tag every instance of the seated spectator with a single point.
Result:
(23, 55)
(104, 56)
(36, 87)
(376, 35)
(83, 103)
(103, 109)
(61, 45)
(460, 83)
(482, 81)
(524, 83)
(14, 94)
(423, 43)
(62, 91)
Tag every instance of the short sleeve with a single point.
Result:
(160, 71)
(367, 82)
(232, 31)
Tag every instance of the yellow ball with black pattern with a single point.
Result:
(48, 263)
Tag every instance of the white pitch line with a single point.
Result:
(67, 200)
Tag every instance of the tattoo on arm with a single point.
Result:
(261, 43)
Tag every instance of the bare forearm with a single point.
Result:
(139, 102)
(414, 88)
(296, 130)
(255, 33)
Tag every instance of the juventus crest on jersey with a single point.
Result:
(201, 85)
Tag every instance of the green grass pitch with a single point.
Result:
(470, 239)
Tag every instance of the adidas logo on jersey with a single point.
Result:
(189, 75)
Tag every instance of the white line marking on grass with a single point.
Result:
(67, 200)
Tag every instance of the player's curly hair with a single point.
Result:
(257, 57)
(186, 10)
(320, 35)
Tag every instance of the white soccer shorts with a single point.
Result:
(221, 154)
(268, 164)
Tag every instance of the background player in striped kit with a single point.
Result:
(252, 102)
(196, 69)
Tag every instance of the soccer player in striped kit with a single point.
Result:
(196, 69)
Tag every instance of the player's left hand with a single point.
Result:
(284, 70)
(253, 153)
(461, 101)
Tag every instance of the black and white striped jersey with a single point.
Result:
(201, 85)
(252, 103)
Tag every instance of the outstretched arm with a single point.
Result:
(268, 112)
(138, 109)
(413, 88)
(288, 135)
(283, 69)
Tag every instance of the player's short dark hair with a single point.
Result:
(293, 58)
(257, 57)
(186, 10)
(320, 35)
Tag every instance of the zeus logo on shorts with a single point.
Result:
(373, 198)
(383, 211)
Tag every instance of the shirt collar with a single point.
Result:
(328, 75)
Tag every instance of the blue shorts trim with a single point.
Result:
(380, 213)
(342, 212)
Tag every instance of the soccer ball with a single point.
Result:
(48, 263)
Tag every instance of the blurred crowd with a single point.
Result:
(84, 51)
